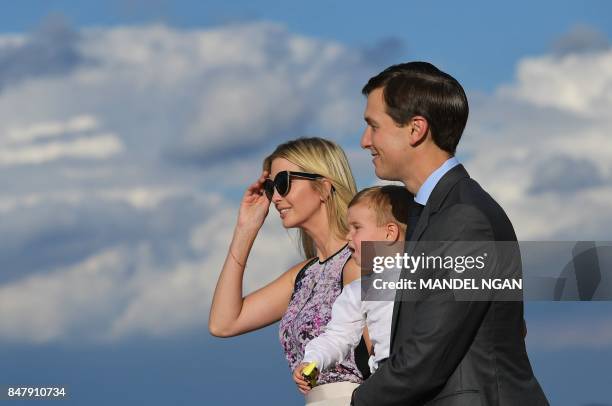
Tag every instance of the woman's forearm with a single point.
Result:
(228, 297)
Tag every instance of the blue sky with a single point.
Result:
(128, 131)
(478, 41)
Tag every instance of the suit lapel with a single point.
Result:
(437, 197)
(419, 228)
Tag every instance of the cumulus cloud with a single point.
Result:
(156, 279)
(93, 147)
(564, 174)
(54, 231)
(42, 142)
(386, 51)
(580, 39)
(106, 233)
(51, 50)
(175, 301)
(93, 151)
(281, 86)
(201, 95)
(541, 146)
(51, 129)
(576, 83)
(75, 300)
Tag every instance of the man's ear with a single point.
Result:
(393, 232)
(419, 128)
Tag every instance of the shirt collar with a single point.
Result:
(432, 180)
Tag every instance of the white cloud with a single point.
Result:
(42, 142)
(139, 197)
(541, 146)
(127, 241)
(94, 147)
(197, 93)
(51, 129)
(75, 300)
(579, 83)
(124, 291)
(154, 90)
(142, 197)
(180, 299)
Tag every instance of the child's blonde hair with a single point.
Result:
(391, 203)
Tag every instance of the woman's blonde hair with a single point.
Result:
(326, 158)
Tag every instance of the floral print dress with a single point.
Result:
(317, 286)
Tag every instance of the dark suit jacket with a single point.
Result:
(456, 353)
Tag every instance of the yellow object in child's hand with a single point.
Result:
(310, 373)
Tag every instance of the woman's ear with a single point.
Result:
(393, 232)
(327, 190)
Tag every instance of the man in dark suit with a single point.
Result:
(443, 352)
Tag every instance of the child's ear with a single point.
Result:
(393, 232)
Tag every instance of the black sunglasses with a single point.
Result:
(282, 182)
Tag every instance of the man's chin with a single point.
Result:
(386, 174)
(381, 173)
(378, 170)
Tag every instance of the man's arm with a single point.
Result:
(441, 334)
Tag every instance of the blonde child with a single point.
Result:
(377, 213)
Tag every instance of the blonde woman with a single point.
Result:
(309, 182)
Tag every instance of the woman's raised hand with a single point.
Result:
(254, 205)
(232, 313)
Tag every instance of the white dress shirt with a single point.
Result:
(343, 332)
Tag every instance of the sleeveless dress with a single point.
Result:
(317, 286)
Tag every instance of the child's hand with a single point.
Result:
(303, 385)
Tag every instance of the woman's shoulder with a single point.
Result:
(299, 267)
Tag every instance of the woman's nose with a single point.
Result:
(276, 197)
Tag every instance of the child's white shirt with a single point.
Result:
(343, 332)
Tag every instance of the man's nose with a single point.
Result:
(366, 138)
